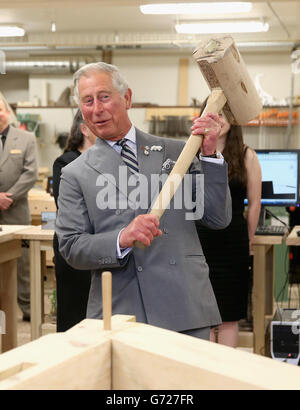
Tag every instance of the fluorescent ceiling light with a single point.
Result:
(222, 27)
(11, 31)
(194, 8)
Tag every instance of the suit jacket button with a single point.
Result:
(165, 230)
(117, 212)
(172, 262)
(139, 268)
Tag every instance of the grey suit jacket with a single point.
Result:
(166, 284)
(18, 173)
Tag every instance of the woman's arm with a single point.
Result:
(59, 163)
(253, 192)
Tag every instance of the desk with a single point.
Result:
(10, 251)
(40, 241)
(293, 239)
(40, 201)
(263, 286)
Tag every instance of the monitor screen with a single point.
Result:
(280, 177)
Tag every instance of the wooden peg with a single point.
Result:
(106, 299)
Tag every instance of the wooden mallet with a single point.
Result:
(232, 91)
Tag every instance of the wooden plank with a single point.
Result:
(77, 359)
(8, 302)
(259, 297)
(35, 233)
(41, 240)
(57, 362)
(118, 323)
(137, 356)
(38, 193)
(37, 206)
(268, 239)
(8, 232)
(269, 281)
(43, 275)
(10, 250)
(293, 239)
(147, 357)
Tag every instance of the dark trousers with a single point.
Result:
(72, 291)
(23, 269)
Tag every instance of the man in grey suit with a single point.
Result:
(103, 202)
(18, 173)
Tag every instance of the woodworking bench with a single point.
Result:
(10, 251)
(263, 286)
(40, 240)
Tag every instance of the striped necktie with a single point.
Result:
(128, 156)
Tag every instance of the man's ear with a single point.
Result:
(83, 128)
(128, 98)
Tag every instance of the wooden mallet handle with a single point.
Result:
(106, 299)
(215, 103)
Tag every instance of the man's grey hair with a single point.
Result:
(118, 80)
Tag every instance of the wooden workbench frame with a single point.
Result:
(10, 251)
(135, 356)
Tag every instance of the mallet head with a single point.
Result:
(223, 67)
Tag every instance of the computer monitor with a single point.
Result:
(280, 177)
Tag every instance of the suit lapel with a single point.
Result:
(105, 160)
(10, 144)
(151, 164)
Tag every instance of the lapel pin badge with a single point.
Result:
(147, 149)
(168, 165)
(156, 148)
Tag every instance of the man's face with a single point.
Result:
(103, 108)
(4, 116)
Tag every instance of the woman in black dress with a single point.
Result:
(72, 285)
(227, 250)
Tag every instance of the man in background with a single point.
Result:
(18, 173)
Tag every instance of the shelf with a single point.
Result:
(163, 112)
(264, 120)
(274, 124)
(46, 106)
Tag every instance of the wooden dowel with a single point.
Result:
(106, 299)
